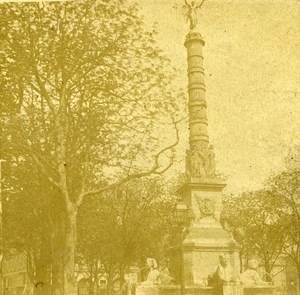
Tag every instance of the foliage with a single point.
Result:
(33, 217)
(125, 226)
(87, 104)
(285, 187)
(114, 87)
(265, 235)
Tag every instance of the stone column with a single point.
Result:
(200, 157)
(206, 239)
(196, 86)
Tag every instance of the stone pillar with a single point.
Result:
(196, 87)
(203, 191)
(200, 157)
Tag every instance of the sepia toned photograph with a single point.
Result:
(150, 147)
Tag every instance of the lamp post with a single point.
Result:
(181, 219)
(1, 161)
(1, 232)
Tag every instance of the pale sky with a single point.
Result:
(252, 65)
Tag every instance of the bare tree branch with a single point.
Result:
(154, 170)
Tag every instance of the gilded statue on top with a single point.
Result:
(190, 11)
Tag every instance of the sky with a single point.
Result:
(252, 68)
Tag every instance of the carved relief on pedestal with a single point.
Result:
(206, 207)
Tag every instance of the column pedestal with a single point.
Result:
(206, 240)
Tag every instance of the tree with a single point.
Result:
(124, 227)
(285, 187)
(32, 221)
(265, 235)
(87, 98)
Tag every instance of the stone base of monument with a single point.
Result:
(202, 248)
(206, 239)
(201, 290)
(228, 289)
(147, 289)
(232, 289)
(188, 290)
(259, 290)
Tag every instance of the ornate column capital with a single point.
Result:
(193, 36)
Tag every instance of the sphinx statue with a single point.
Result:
(222, 274)
(151, 285)
(153, 277)
(251, 276)
(164, 274)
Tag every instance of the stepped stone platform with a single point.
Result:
(228, 289)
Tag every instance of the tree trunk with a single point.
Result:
(70, 251)
(43, 271)
(91, 286)
(241, 261)
(58, 256)
(123, 285)
(69, 282)
(57, 275)
(268, 269)
(298, 271)
(93, 279)
(110, 284)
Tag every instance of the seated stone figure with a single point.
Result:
(222, 274)
(165, 276)
(225, 280)
(153, 277)
(251, 275)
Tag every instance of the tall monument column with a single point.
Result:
(196, 87)
(202, 193)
